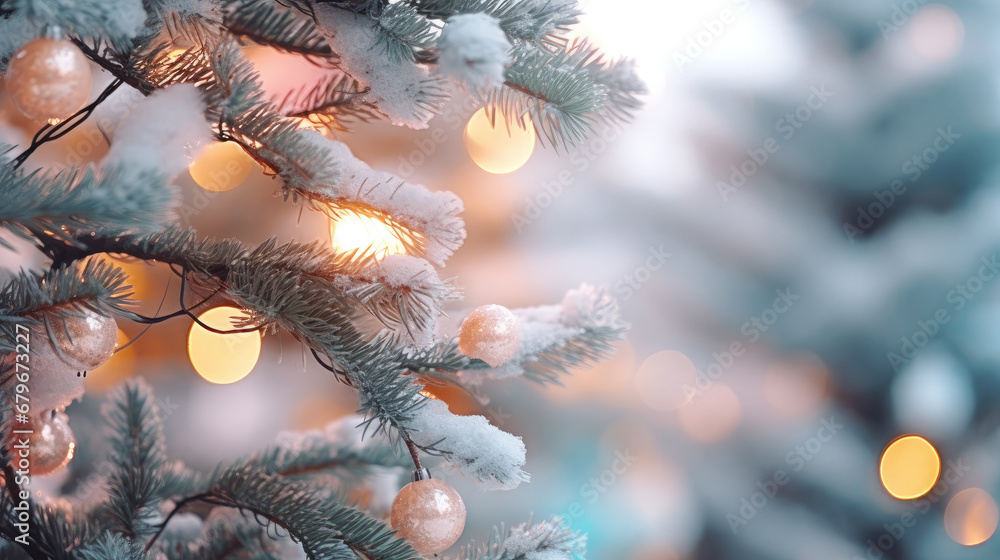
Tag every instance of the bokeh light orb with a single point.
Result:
(909, 467)
(936, 33)
(364, 234)
(497, 149)
(712, 414)
(221, 167)
(666, 380)
(222, 358)
(971, 517)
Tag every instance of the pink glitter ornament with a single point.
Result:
(430, 514)
(48, 79)
(86, 341)
(490, 333)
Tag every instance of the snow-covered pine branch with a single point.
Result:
(115, 21)
(549, 540)
(474, 50)
(146, 142)
(471, 444)
(405, 92)
(426, 221)
(555, 338)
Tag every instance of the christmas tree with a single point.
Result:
(369, 316)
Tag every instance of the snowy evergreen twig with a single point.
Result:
(381, 60)
(551, 540)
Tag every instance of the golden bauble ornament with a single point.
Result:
(430, 514)
(48, 79)
(86, 339)
(50, 445)
(490, 333)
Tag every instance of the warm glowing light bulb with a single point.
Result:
(495, 149)
(221, 167)
(173, 55)
(222, 358)
(909, 467)
(971, 517)
(369, 236)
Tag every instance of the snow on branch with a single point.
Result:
(529, 20)
(404, 92)
(145, 140)
(548, 540)
(554, 338)
(471, 444)
(426, 222)
(405, 291)
(473, 50)
(117, 21)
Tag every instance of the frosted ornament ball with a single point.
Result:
(490, 333)
(51, 443)
(430, 514)
(53, 383)
(48, 79)
(86, 341)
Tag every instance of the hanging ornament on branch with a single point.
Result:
(51, 443)
(80, 341)
(490, 333)
(48, 79)
(429, 513)
(67, 345)
(86, 340)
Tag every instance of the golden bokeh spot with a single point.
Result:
(909, 467)
(712, 415)
(221, 167)
(222, 358)
(971, 517)
(500, 149)
(369, 236)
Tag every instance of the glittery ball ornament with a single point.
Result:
(87, 340)
(48, 79)
(490, 333)
(50, 445)
(430, 514)
(53, 384)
